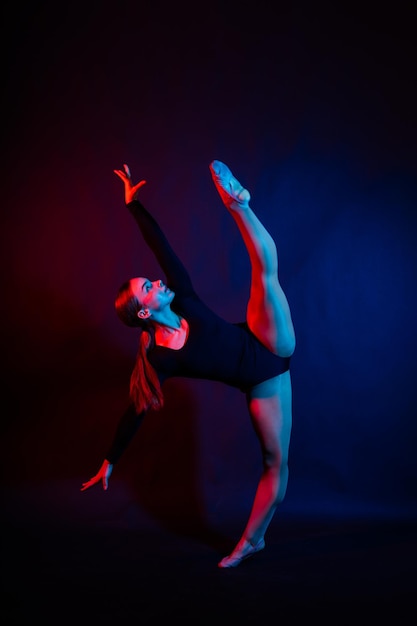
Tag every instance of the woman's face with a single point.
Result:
(153, 295)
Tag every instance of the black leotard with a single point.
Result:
(215, 349)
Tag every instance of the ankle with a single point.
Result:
(235, 206)
(247, 544)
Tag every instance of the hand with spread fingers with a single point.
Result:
(130, 189)
(102, 475)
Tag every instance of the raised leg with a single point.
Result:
(268, 314)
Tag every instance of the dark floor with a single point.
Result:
(335, 571)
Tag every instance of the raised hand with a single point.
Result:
(130, 189)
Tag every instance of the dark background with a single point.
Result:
(314, 109)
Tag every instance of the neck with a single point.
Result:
(169, 322)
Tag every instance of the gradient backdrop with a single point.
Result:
(314, 109)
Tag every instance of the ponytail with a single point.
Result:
(145, 388)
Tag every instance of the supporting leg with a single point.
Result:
(271, 414)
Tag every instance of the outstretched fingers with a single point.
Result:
(121, 174)
(136, 187)
(124, 174)
(89, 483)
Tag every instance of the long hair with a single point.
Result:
(145, 388)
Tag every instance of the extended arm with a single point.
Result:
(176, 275)
(126, 429)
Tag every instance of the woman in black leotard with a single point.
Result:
(181, 336)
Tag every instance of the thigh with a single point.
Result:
(268, 315)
